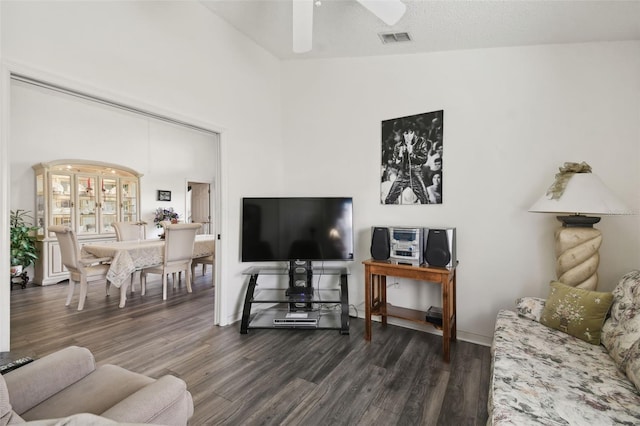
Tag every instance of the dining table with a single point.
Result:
(130, 256)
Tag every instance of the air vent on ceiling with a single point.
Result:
(394, 37)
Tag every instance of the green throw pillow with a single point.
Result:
(575, 311)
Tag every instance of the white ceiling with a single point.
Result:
(344, 28)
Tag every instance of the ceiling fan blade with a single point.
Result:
(302, 25)
(389, 11)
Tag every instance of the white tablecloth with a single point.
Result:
(129, 256)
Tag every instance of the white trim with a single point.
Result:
(222, 244)
(5, 290)
(108, 102)
(116, 99)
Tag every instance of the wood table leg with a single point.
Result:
(454, 304)
(446, 318)
(367, 304)
(382, 291)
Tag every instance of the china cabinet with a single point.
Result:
(85, 195)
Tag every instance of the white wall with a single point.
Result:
(47, 125)
(512, 116)
(174, 58)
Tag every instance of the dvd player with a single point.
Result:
(293, 319)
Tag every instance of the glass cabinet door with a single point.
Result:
(129, 200)
(87, 205)
(61, 199)
(40, 204)
(108, 205)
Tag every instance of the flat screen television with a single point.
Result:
(289, 229)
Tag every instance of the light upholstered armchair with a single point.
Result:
(67, 383)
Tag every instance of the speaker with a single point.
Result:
(380, 243)
(440, 247)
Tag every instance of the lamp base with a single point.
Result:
(578, 221)
(577, 256)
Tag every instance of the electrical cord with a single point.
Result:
(355, 309)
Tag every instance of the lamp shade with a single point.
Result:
(585, 193)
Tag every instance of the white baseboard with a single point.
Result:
(465, 336)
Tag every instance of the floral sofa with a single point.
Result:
(543, 375)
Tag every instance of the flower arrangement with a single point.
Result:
(163, 215)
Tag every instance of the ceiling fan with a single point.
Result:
(389, 11)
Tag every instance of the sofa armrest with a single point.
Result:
(165, 401)
(31, 384)
(80, 419)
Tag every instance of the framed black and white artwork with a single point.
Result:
(412, 148)
(164, 195)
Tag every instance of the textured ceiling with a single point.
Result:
(345, 28)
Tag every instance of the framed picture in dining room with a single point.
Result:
(164, 195)
(411, 170)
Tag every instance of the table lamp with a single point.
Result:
(576, 192)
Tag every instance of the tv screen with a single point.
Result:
(286, 229)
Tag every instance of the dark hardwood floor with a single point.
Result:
(267, 377)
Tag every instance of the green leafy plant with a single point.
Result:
(23, 240)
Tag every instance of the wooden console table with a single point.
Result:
(376, 272)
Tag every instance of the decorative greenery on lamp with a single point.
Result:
(576, 192)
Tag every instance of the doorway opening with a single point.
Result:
(141, 123)
(198, 205)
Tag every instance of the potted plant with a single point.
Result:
(23, 241)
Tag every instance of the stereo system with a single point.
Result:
(414, 246)
(407, 246)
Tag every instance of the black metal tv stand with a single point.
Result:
(300, 284)
(263, 306)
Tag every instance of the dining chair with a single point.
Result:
(131, 231)
(178, 252)
(82, 270)
(204, 261)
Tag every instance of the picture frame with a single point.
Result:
(411, 168)
(164, 195)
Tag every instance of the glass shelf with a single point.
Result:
(264, 319)
(284, 270)
(275, 295)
